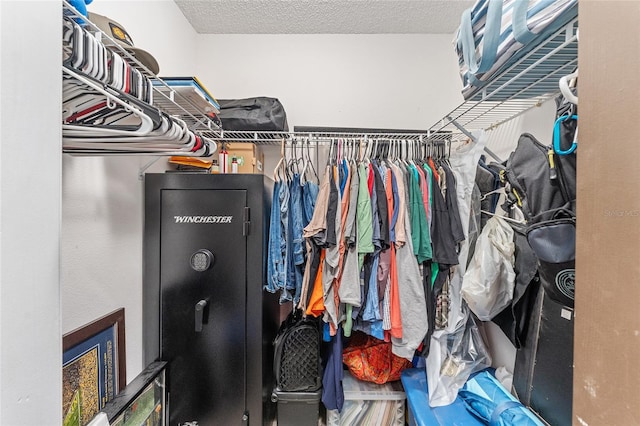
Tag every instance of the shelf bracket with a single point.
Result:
(462, 129)
(145, 167)
(473, 138)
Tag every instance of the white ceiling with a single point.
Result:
(323, 16)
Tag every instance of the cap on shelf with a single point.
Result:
(122, 37)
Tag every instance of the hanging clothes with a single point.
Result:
(463, 168)
(411, 293)
(379, 247)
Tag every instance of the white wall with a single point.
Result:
(30, 339)
(394, 81)
(102, 197)
(385, 81)
(157, 26)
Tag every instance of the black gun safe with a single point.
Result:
(205, 311)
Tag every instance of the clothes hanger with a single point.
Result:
(507, 218)
(277, 169)
(89, 85)
(565, 88)
(495, 191)
(207, 148)
(146, 123)
(307, 162)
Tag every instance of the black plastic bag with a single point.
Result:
(253, 114)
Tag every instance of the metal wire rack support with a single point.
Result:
(527, 83)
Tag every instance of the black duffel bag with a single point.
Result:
(253, 114)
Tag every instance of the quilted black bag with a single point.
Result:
(296, 362)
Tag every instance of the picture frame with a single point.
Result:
(93, 367)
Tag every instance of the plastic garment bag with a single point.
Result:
(453, 357)
(487, 285)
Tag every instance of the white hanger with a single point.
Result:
(495, 191)
(146, 125)
(566, 90)
(282, 163)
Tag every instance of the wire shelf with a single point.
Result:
(164, 97)
(528, 83)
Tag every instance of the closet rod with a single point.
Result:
(275, 138)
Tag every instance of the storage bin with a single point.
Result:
(297, 408)
(367, 403)
(420, 413)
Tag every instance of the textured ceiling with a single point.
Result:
(323, 16)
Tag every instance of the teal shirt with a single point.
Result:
(364, 219)
(420, 234)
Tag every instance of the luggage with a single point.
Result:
(253, 114)
(494, 34)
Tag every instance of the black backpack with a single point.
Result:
(543, 184)
(296, 362)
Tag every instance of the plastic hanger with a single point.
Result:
(276, 170)
(495, 191)
(565, 88)
(508, 219)
(146, 124)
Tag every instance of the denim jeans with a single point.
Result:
(295, 250)
(309, 196)
(284, 243)
(274, 253)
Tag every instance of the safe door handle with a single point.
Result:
(201, 314)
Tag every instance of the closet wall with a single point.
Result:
(30, 344)
(376, 81)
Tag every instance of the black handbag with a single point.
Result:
(253, 114)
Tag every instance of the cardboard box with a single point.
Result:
(250, 157)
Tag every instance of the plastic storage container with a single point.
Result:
(367, 403)
(297, 408)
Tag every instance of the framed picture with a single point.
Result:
(93, 367)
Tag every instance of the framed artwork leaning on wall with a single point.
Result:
(93, 367)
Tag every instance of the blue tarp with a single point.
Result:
(491, 402)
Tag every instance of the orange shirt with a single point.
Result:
(316, 302)
(394, 294)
